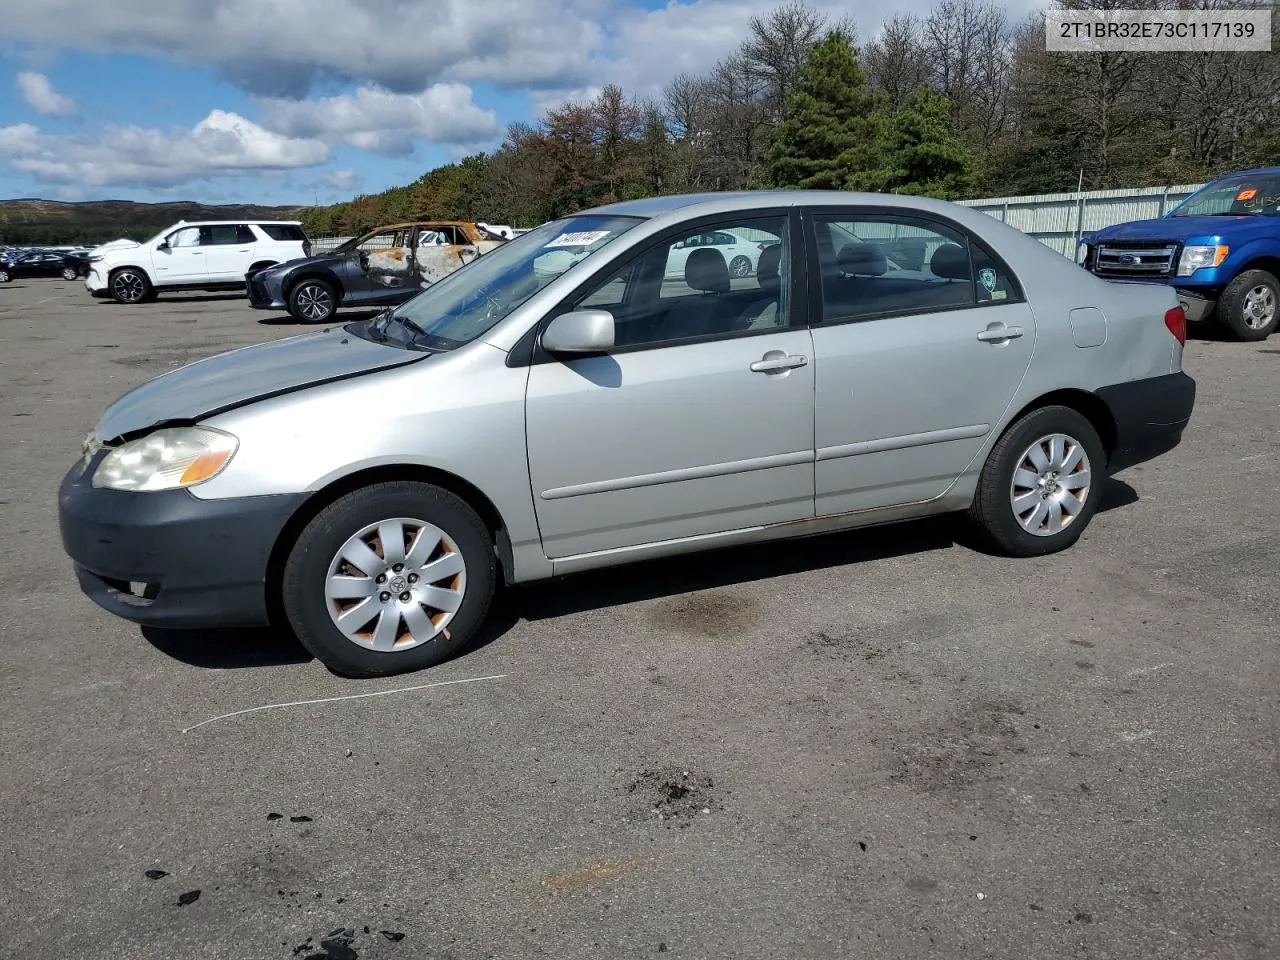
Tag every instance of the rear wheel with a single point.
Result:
(69, 273)
(130, 286)
(740, 267)
(1041, 483)
(4, 275)
(389, 578)
(312, 301)
(1249, 305)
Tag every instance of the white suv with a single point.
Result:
(213, 255)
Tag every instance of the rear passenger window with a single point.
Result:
(283, 231)
(244, 234)
(219, 235)
(877, 266)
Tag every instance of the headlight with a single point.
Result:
(168, 459)
(1193, 258)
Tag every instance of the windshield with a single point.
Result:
(472, 299)
(1233, 196)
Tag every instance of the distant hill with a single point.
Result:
(53, 222)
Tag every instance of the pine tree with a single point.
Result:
(922, 155)
(832, 133)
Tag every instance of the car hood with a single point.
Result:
(1190, 228)
(226, 380)
(317, 260)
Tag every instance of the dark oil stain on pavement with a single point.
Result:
(188, 898)
(714, 615)
(155, 874)
(340, 944)
(674, 796)
(970, 748)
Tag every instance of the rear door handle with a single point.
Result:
(998, 332)
(774, 364)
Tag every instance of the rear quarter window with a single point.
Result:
(283, 231)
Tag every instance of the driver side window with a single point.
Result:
(683, 288)
(186, 237)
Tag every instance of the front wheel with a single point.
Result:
(389, 578)
(129, 286)
(1248, 306)
(740, 267)
(312, 301)
(1041, 483)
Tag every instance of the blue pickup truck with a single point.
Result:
(1219, 249)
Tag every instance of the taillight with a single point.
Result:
(1176, 321)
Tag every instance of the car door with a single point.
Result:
(180, 259)
(694, 424)
(916, 359)
(228, 251)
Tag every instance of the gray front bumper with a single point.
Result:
(1197, 306)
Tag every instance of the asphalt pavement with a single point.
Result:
(881, 744)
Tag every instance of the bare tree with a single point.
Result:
(896, 61)
(686, 98)
(968, 46)
(777, 46)
(736, 121)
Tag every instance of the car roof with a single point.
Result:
(231, 223)
(691, 205)
(425, 223)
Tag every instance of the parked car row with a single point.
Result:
(18, 264)
(273, 262)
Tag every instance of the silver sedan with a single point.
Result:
(563, 404)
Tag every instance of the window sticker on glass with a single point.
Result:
(582, 238)
(1247, 194)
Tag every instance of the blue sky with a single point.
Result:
(294, 101)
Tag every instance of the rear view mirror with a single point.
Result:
(582, 331)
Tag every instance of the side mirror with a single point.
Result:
(164, 245)
(582, 331)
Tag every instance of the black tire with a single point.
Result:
(740, 267)
(1245, 304)
(312, 301)
(307, 570)
(68, 273)
(992, 512)
(129, 286)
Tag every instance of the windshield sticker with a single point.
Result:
(582, 238)
(988, 278)
(1247, 194)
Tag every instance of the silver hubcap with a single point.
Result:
(68, 274)
(1259, 307)
(128, 287)
(314, 302)
(1050, 485)
(4, 276)
(395, 585)
(741, 266)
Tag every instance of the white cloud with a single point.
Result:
(41, 97)
(221, 144)
(347, 181)
(375, 119)
(284, 47)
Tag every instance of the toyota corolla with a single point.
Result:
(535, 414)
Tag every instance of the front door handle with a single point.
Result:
(773, 364)
(998, 333)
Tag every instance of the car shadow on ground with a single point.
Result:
(175, 298)
(338, 319)
(649, 580)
